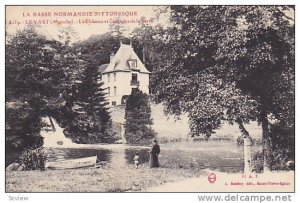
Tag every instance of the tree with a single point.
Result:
(118, 29)
(229, 62)
(98, 48)
(261, 62)
(22, 127)
(138, 118)
(35, 79)
(89, 119)
(147, 44)
(67, 35)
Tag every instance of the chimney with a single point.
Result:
(112, 58)
(120, 42)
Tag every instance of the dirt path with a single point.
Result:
(271, 182)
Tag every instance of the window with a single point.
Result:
(115, 77)
(115, 90)
(114, 103)
(133, 90)
(108, 77)
(132, 63)
(134, 80)
(108, 91)
(134, 77)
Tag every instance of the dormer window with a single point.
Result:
(132, 63)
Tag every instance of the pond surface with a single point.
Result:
(224, 156)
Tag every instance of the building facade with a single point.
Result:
(124, 73)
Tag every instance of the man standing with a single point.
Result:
(154, 155)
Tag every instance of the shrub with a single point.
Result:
(257, 162)
(22, 127)
(282, 150)
(283, 146)
(33, 159)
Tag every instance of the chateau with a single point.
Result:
(124, 73)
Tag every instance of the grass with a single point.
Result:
(105, 179)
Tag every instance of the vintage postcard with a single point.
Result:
(150, 98)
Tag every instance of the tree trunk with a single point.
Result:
(266, 141)
(52, 125)
(247, 147)
(243, 130)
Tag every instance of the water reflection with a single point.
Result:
(221, 156)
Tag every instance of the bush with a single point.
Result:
(22, 127)
(143, 135)
(33, 159)
(124, 99)
(282, 150)
(257, 162)
(283, 146)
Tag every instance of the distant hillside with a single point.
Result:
(167, 127)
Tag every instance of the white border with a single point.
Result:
(120, 197)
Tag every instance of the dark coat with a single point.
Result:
(154, 156)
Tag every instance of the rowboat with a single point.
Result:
(73, 163)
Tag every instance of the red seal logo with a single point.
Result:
(212, 178)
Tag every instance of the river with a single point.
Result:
(220, 155)
(224, 156)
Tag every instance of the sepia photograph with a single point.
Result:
(152, 99)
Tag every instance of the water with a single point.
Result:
(224, 156)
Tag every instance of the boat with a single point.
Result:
(73, 163)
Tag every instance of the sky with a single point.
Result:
(86, 20)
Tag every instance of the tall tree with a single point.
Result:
(34, 82)
(89, 120)
(138, 118)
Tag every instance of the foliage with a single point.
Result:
(228, 62)
(282, 150)
(34, 68)
(22, 127)
(33, 159)
(35, 78)
(67, 35)
(283, 146)
(88, 117)
(138, 118)
(98, 48)
(148, 45)
(257, 162)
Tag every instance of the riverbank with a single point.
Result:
(106, 179)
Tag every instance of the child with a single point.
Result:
(136, 160)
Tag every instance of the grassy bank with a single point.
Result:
(105, 179)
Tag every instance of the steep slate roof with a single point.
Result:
(121, 58)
